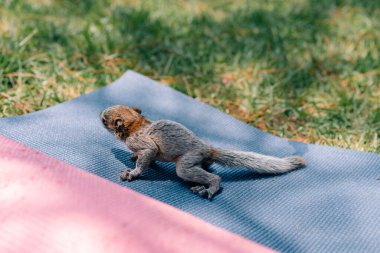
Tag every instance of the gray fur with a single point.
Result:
(170, 141)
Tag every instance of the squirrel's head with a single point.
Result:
(122, 120)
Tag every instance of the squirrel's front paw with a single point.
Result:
(126, 175)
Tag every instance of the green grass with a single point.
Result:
(302, 69)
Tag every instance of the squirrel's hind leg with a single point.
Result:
(192, 172)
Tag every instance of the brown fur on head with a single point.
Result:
(123, 120)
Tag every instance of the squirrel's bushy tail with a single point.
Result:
(257, 162)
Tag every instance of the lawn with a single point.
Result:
(307, 70)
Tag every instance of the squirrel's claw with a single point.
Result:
(125, 175)
(202, 191)
(129, 174)
(197, 189)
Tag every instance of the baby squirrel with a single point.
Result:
(169, 141)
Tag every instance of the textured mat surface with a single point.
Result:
(50, 206)
(332, 205)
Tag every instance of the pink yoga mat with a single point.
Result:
(49, 206)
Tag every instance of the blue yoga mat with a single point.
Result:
(332, 205)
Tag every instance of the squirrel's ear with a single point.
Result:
(138, 110)
(118, 123)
